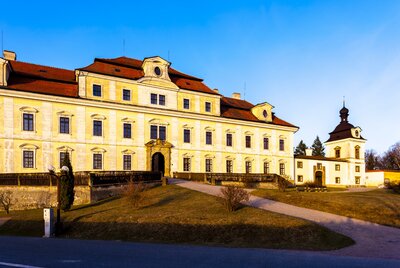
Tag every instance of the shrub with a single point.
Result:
(395, 186)
(6, 200)
(282, 184)
(134, 193)
(232, 196)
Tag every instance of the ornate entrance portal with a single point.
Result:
(158, 156)
(158, 163)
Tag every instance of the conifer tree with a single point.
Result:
(67, 195)
(318, 148)
(300, 149)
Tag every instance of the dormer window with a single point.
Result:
(97, 90)
(265, 113)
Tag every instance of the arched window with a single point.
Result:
(337, 152)
(357, 152)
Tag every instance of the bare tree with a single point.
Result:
(391, 158)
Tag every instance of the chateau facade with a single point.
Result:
(127, 114)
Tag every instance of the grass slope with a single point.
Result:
(379, 206)
(176, 215)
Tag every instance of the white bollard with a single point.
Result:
(48, 216)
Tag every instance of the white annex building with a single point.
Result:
(344, 164)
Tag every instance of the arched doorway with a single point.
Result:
(158, 163)
(318, 178)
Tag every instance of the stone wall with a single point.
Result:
(31, 197)
(28, 197)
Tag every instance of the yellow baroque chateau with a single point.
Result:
(127, 114)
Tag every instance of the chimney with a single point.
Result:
(236, 95)
(308, 152)
(9, 55)
(216, 90)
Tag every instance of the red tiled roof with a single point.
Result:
(137, 64)
(192, 85)
(29, 84)
(132, 69)
(231, 102)
(42, 79)
(113, 70)
(241, 109)
(43, 72)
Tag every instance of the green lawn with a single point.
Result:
(379, 206)
(176, 215)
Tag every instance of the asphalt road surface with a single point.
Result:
(50, 252)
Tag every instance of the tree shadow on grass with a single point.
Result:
(98, 203)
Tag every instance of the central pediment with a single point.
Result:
(156, 72)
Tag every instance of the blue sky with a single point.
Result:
(300, 56)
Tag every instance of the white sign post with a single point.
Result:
(48, 216)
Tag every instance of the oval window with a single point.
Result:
(265, 114)
(157, 71)
(356, 133)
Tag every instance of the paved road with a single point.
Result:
(372, 240)
(42, 252)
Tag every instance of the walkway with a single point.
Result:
(372, 240)
(3, 220)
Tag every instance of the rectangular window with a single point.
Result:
(208, 165)
(158, 132)
(28, 122)
(64, 125)
(282, 168)
(337, 180)
(97, 90)
(357, 168)
(153, 98)
(337, 167)
(248, 141)
(97, 161)
(186, 164)
(153, 132)
(266, 167)
(299, 164)
(208, 106)
(300, 178)
(229, 166)
(186, 135)
(281, 145)
(248, 166)
(97, 128)
(126, 94)
(266, 144)
(127, 163)
(161, 100)
(127, 130)
(28, 159)
(337, 153)
(162, 133)
(357, 180)
(319, 166)
(186, 104)
(229, 139)
(62, 157)
(208, 137)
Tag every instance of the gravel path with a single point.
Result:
(3, 220)
(372, 240)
